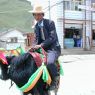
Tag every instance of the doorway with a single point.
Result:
(72, 37)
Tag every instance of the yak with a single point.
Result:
(19, 69)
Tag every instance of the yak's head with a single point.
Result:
(3, 67)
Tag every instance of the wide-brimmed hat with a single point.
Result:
(38, 9)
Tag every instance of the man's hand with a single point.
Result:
(35, 48)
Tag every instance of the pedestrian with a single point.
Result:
(46, 37)
(75, 40)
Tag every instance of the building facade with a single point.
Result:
(75, 22)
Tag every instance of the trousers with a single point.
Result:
(52, 56)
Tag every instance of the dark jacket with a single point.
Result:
(51, 39)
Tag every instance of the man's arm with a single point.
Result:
(52, 36)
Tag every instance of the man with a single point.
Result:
(46, 37)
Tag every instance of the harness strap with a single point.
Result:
(39, 56)
(11, 84)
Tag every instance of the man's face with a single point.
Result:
(38, 16)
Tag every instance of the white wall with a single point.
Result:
(60, 24)
(14, 33)
(77, 15)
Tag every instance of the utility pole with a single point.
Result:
(63, 23)
(87, 34)
(91, 26)
(49, 10)
(84, 33)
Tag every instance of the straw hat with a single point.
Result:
(38, 9)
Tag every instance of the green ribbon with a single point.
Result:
(33, 76)
(22, 51)
(61, 68)
(39, 50)
(45, 74)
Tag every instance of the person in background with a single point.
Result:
(78, 40)
(75, 40)
(46, 37)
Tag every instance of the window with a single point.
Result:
(14, 40)
(67, 5)
(93, 34)
(76, 5)
(72, 5)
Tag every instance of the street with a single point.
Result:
(78, 77)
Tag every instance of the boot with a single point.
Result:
(52, 68)
(54, 84)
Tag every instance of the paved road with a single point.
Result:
(78, 79)
(4, 89)
(79, 75)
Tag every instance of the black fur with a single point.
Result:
(19, 70)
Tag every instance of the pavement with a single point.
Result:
(79, 51)
(79, 71)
